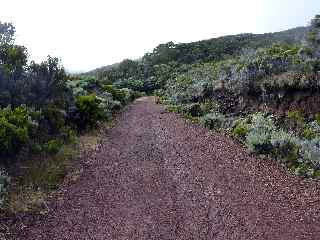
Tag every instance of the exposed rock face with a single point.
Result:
(279, 102)
(305, 102)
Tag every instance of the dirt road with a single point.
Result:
(156, 176)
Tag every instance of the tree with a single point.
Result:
(162, 54)
(7, 31)
(13, 61)
(45, 83)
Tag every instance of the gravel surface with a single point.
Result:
(156, 176)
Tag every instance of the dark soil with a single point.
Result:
(156, 176)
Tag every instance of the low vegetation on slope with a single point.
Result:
(153, 69)
(268, 99)
(263, 88)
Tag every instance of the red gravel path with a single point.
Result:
(156, 176)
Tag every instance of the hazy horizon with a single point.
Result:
(89, 34)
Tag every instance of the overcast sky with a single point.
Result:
(86, 34)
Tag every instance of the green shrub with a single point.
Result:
(311, 130)
(89, 111)
(304, 170)
(36, 148)
(55, 119)
(115, 106)
(213, 120)
(53, 146)
(308, 133)
(259, 141)
(128, 95)
(306, 51)
(14, 126)
(117, 94)
(68, 135)
(310, 152)
(162, 99)
(18, 116)
(173, 108)
(82, 85)
(209, 106)
(193, 109)
(191, 118)
(296, 119)
(316, 174)
(240, 129)
(259, 136)
(285, 146)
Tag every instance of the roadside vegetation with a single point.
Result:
(44, 115)
(268, 99)
(262, 89)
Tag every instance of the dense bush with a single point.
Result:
(285, 146)
(304, 170)
(89, 111)
(296, 119)
(174, 108)
(34, 98)
(240, 129)
(14, 130)
(194, 85)
(127, 96)
(54, 119)
(258, 138)
(82, 85)
(68, 134)
(53, 146)
(310, 152)
(213, 120)
(209, 106)
(34, 84)
(299, 152)
(259, 141)
(120, 95)
(193, 109)
(136, 85)
(95, 101)
(311, 130)
(115, 106)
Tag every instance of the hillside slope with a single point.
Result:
(264, 88)
(215, 48)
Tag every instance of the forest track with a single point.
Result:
(156, 176)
